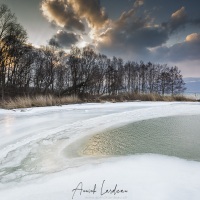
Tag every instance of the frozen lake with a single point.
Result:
(46, 152)
(173, 136)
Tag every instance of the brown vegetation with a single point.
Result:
(139, 97)
(49, 100)
(37, 101)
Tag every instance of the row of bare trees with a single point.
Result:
(26, 70)
(96, 74)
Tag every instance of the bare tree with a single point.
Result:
(12, 37)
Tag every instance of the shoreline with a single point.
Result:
(50, 100)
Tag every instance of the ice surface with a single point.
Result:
(33, 165)
(147, 177)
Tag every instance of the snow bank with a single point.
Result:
(33, 165)
(144, 177)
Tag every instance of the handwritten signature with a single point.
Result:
(79, 190)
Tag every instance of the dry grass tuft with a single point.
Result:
(49, 100)
(37, 101)
(141, 97)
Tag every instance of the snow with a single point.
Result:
(33, 165)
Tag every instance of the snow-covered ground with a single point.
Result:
(33, 164)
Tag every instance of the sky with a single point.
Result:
(158, 31)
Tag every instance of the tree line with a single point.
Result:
(26, 70)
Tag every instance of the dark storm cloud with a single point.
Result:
(187, 50)
(132, 33)
(64, 39)
(136, 33)
(61, 14)
(138, 39)
(178, 19)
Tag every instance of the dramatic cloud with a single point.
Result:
(73, 15)
(69, 14)
(179, 15)
(178, 19)
(187, 50)
(64, 39)
(62, 14)
(138, 34)
(194, 37)
(131, 33)
(91, 10)
(137, 40)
